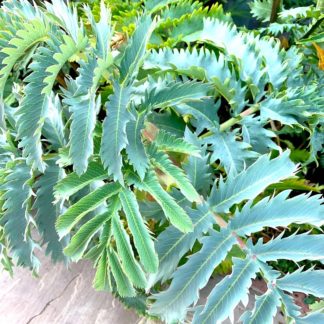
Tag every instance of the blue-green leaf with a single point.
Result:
(172, 303)
(228, 293)
(251, 182)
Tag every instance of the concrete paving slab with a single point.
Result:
(62, 296)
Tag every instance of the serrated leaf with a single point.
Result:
(228, 293)
(171, 245)
(278, 211)
(114, 137)
(142, 239)
(47, 212)
(33, 32)
(135, 148)
(135, 51)
(250, 182)
(163, 163)
(80, 240)
(16, 217)
(265, 309)
(306, 282)
(171, 209)
(125, 251)
(168, 142)
(171, 304)
(124, 286)
(231, 153)
(100, 281)
(67, 49)
(75, 213)
(294, 247)
(83, 106)
(174, 93)
(72, 183)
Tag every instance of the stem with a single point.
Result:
(320, 5)
(274, 10)
(234, 120)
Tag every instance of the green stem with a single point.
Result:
(320, 5)
(231, 122)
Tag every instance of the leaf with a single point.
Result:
(170, 143)
(31, 121)
(228, 293)
(306, 282)
(135, 51)
(294, 247)
(231, 153)
(250, 182)
(101, 29)
(255, 134)
(171, 245)
(169, 122)
(124, 286)
(135, 148)
(188, 279)
(261, 9)
(114, 137)
(265, 309)
(278, 211)
(16, 218)
(47, 212)
(81, 239)
(142, 240)
(75, 213)
(171, 209)
(197, 168)
(72, 183)
(67, 49)
(203, 113)
(32, 33)
(173, 93)
(83, 106)
(128, 261)
(100, 281)
(163, 163)
(201, 64)
(53, 128)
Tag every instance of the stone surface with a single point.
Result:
(62, 296)
(58, 296)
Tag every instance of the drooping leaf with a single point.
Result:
(135, 148)
(163, 163)
(124, 286)
(130, 266)
(16, 218)
(47, 212)
(86, 204)
(171, 209)
(72, 183)
(170, 143)
(142, 239)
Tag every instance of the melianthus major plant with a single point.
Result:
(159, 163)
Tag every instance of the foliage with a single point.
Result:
(155, 139)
